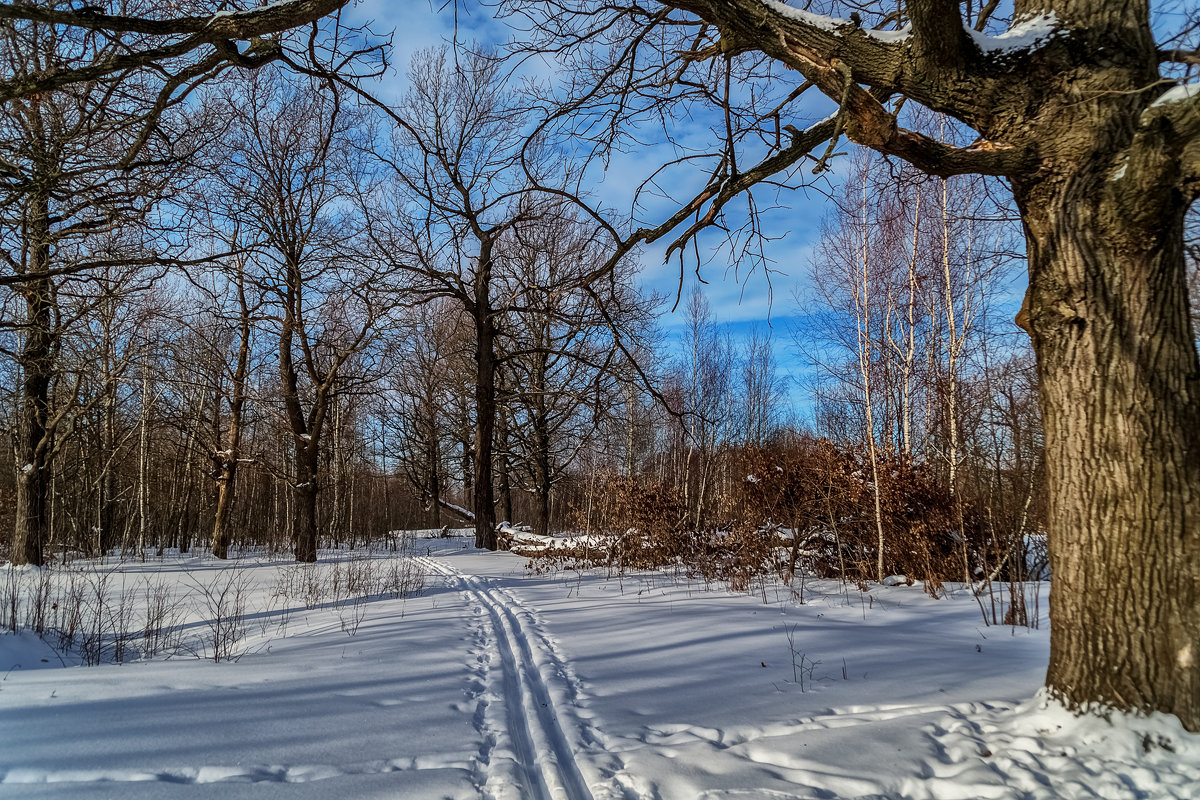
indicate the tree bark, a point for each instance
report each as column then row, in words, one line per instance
column 221, row 518
column 227, row 461
column 36, row 361
column 1120, row 397
column 485, row 402
column 504, row 464
column 304, row 521
column 541, row 477
column 435, row 484
column 540, row 422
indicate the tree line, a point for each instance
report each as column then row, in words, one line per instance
column 317, row 323
column 233, row 326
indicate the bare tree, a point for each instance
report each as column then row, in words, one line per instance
column 423, row 385
column 80, row 181
column 238, row 306
column 761, row 391
column 466, row 174
column 560, row 350
column 293, row 167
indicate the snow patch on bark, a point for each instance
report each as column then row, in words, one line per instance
column 835, row 24
column 890, row 37
column 830, row 24
column 1026, row 35
column 1177, row 94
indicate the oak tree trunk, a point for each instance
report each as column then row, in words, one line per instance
column 36, row 360
column 1120, row 398
column 225, row 492
column 304, row 520
column 485, row 412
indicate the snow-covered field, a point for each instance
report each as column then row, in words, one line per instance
column 494, row 682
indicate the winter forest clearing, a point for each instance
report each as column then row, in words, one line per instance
column 484, row 679
column 781, row 356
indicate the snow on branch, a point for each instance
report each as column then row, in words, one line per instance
column 1177, row 94
column 1024, row 36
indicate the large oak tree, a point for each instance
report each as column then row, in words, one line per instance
column 1082, row 112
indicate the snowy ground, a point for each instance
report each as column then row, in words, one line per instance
column 496, row 683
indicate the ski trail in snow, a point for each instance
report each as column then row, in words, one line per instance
column 540, row 695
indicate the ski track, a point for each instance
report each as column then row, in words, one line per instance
column 542, row 699
column 538, row 739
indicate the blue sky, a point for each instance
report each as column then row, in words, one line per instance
column 741, row 301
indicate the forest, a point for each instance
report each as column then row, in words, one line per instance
column 259, row 292
column 293, row 324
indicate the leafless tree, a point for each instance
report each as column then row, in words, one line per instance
column 422, row 388
column 560, row 344
column 293, row 168
column 467, row 174
column 80, row 182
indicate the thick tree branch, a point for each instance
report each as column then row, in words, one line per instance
column 747, row 25
column 1168, row 138
column 216, row 30
column 940, row 41
column 936, row 62
column 263, row 21
column 870, row 124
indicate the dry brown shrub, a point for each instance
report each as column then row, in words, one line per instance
column 802, row 504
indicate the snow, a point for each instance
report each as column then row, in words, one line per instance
column 830, row 24
column 890, row 37
column 276, row 4
column 466, row 514
column 1026, row 34
column 1176, row 94
column 500, row 683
